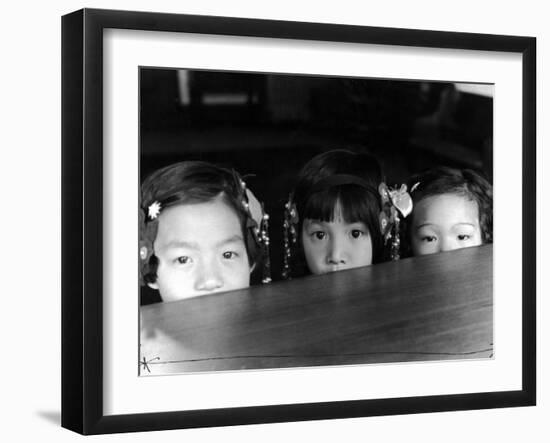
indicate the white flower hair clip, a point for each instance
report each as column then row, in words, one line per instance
column 154, row 210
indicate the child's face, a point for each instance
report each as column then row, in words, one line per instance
column 337, row 245
column 443, row 223
column 201, row 250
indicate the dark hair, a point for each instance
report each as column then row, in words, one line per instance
column 464, row 182
column 190, row 182
column 358, row 197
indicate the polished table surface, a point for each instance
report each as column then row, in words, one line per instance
column 435, row 307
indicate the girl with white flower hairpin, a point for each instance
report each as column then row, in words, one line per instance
column 201, row 231
column 341, row 215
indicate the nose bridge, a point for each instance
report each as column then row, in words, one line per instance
column 447, row 244
column 209, row 276
column 337, row 249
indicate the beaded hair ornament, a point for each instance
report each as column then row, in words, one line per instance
column 395, row 203
column 257, row 225
column 290, row 235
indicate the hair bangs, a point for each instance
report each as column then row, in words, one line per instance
column 351, row 203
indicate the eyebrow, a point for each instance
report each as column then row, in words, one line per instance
column 233, row 239
column 434, row 224
column 180, row 244
column 422, row 225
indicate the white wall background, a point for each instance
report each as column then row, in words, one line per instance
column 30, row 171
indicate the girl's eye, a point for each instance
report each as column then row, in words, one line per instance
column 356, row 233
column 228, row 255
column 429, row 238
column 319, row 235
column 183, row 260
column 463, row 237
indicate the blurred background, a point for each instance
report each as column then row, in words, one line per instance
column 269, row 125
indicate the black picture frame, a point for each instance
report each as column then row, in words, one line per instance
column 82, row 231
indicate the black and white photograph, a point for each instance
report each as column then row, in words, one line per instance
column 291, row 220
column 278, row 221
column 275, row 221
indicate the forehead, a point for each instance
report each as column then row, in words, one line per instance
column 199, row 222
column 446, row 209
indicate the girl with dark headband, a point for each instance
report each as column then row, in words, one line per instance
column 332, row 217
